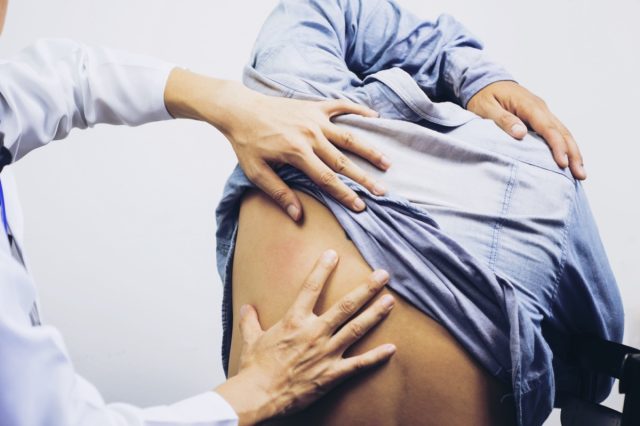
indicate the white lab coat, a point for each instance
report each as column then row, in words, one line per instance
column 46, row 91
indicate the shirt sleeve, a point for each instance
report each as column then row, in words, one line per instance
column 38, row 384
column 57, row 85
column 446, row 61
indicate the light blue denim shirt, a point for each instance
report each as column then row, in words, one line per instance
column 483, row 233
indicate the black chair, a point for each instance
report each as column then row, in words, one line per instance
column 611, row 359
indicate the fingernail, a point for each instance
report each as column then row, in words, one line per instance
column 387, row 301
column 358, row 204
column 330, row 256
column 379, row 188
column 385, row 163
column 293, row 212
column 380, row 276
column 390, row 348
column 244, row 310
column 518, row 129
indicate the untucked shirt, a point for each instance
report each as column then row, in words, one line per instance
column 481, row 232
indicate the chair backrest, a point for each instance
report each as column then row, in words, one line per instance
column 615, row 360
column 578, row 412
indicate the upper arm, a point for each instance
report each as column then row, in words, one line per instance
column 57, row 85
column 310, row 39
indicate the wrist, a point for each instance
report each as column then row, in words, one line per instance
column 251, row 402
column 198, row 97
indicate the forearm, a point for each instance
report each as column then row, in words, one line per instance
column 198, row 97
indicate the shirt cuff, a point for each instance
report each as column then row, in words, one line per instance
column 470, row 70
column 148, row 77
column 208, row 408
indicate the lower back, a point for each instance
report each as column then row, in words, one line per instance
column 430, row 381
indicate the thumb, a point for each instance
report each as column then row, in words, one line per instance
column 250, row 327
column 507, row 121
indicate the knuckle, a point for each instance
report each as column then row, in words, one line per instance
column 347, row 306
column 348, row 140
column 569, row 138
column 314, row 133
column 328, row 179
column 359, row 364
column 341, row 163
column 311, row 285
column 291, row 322
column 373, row 287
column 256, row 174
column 325, row 325
column 308, row 132
column 280, row 195
column 297, row 152
column 364, row 179
column 534, row 109
column 356, row 330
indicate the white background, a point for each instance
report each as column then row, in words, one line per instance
column 120, row 222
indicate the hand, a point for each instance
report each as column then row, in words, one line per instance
column 295, row 362
column 511, row 106
column 267, row 131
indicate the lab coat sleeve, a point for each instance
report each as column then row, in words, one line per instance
column 38, row 384
column 57, row 85
column 45, row 92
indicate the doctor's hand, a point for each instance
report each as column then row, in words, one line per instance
column 512, row 106
column 297, row 360
column 266, row 132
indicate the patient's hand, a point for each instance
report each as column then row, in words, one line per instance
column 511, row 105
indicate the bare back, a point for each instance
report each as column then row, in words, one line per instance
column 430, row 381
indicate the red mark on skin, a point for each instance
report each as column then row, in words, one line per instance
column 288, row 261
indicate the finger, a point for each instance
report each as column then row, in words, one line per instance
column 355, row 329
column 576, row 162
column 250, row 327
column 542, row 122
column 268, row 181
column 355, row 364
column 341, row 164
column 343, row 106
column 351, row 303
column 346, row 140
column 329, row 181
column 507, row 121
column 314, row 283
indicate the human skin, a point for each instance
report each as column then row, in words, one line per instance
column 430, row 381
column 3, row 13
